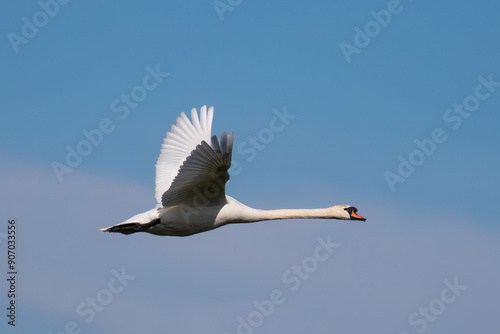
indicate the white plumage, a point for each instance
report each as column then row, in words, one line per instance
column 178, row 144
column 190, row 186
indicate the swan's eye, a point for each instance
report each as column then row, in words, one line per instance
column 353, row 213
column 351, row 209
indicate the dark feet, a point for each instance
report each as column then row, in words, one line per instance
column 131, row 227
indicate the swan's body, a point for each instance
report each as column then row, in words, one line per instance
column 190, row 186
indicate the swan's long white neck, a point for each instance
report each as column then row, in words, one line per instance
column 236, row 212
column 327, row 213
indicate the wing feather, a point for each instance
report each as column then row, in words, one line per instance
column 178, row 144
column 202, row 177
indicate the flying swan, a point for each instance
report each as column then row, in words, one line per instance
column 190, row 182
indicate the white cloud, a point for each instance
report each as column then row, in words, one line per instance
column 383, row 271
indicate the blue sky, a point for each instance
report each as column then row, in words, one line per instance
column 352, row 119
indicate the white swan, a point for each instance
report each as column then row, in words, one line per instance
column 190, row 186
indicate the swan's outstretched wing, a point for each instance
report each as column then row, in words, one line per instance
column 202, row 177
column 178, row 144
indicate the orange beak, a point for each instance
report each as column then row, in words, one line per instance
column 355, row 216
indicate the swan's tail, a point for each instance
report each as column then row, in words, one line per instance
column 130, row 228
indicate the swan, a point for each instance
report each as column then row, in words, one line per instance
column 190, row 186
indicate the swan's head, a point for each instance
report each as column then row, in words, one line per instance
column 351, row 213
